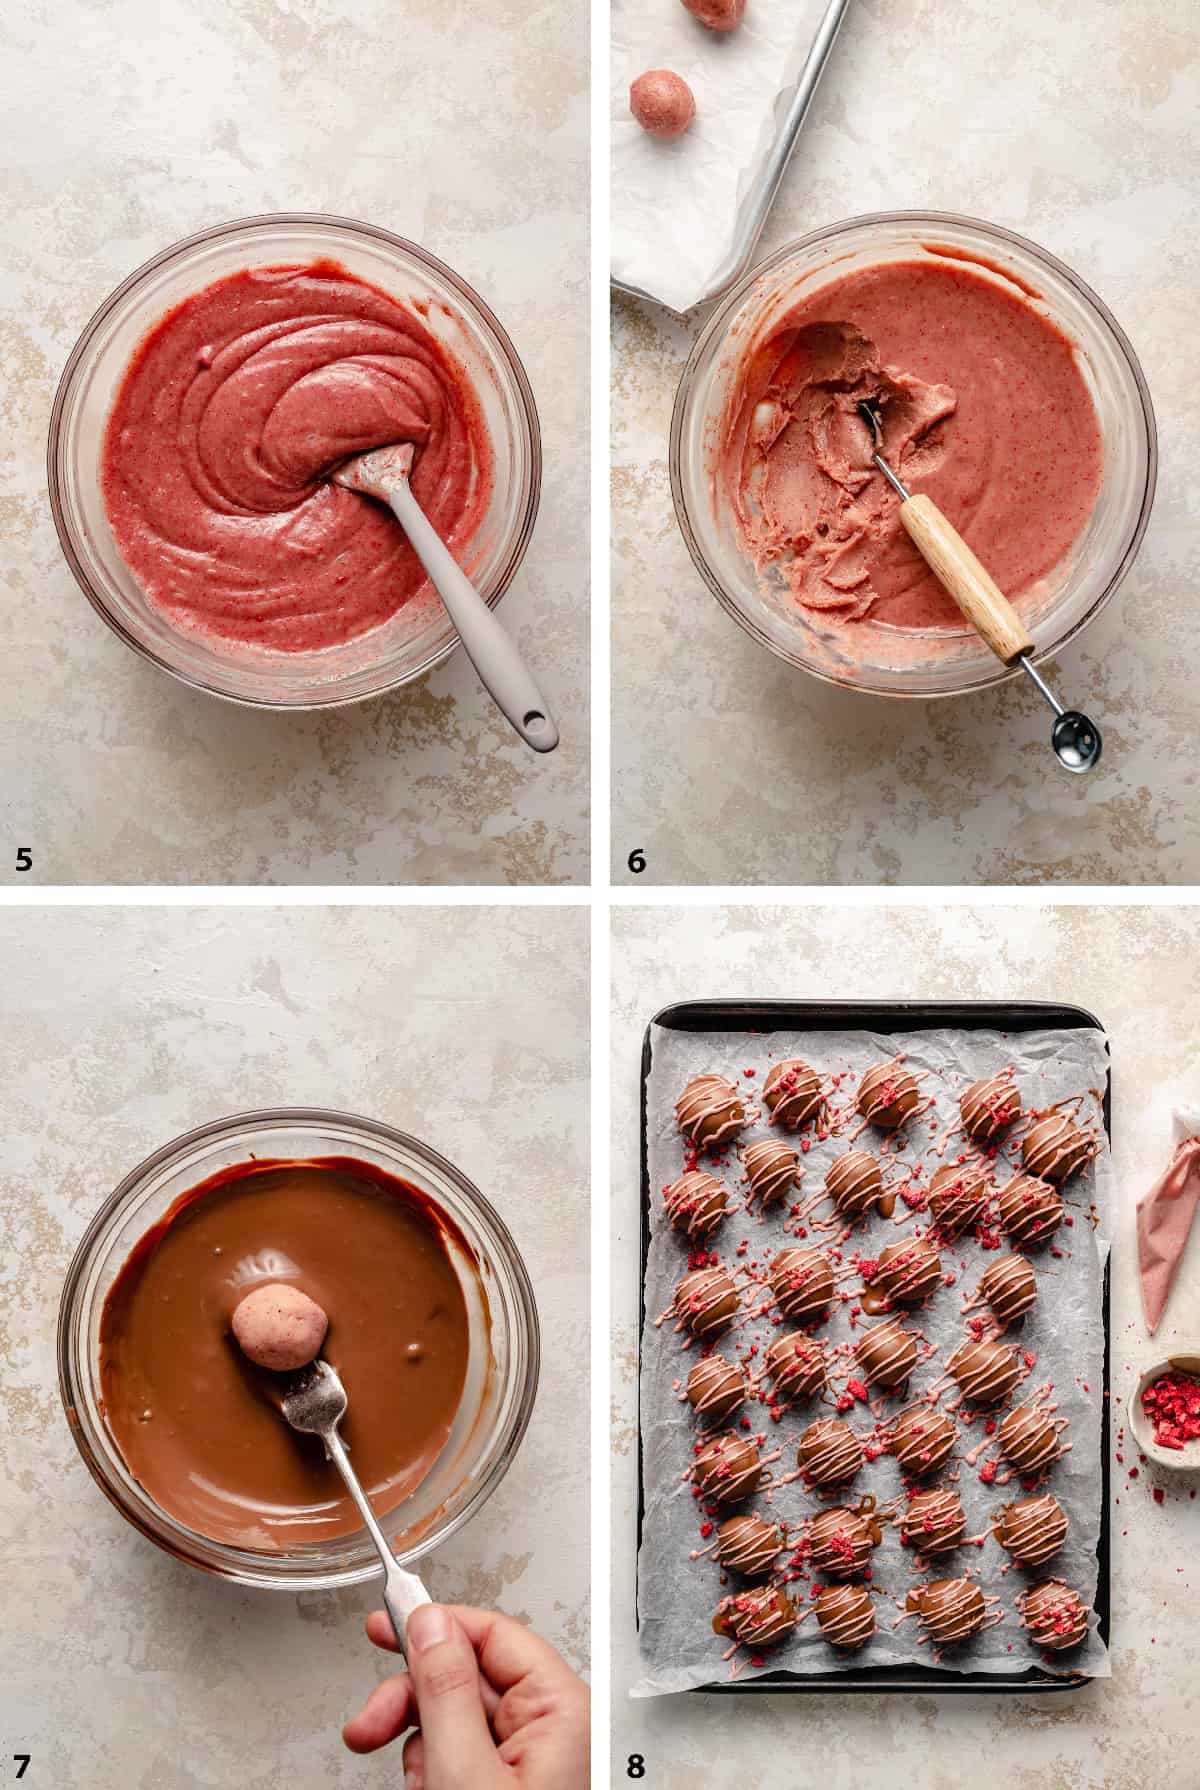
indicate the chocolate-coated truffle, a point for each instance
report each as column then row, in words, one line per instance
column 1029, row 1439
column 934, row 1521
column 921, row 1439
column 279, row 1327
column 748, row 1545
column 772, row 1169
column 1055, row 1148
column 715, row 1388
column 728, row 1468
column 710, row 1111
column 1056, row 1616
column 802, row 1282
column 886, row 1354
column 1032, row 1530
column 1030, row 1211
column 907, row 1273
column 696, row 1203
column 760, row 1617
column 706, row 1301
column 796, row 1364
column 846, row 1614
column 792, row 1094
column 1010, row 1288
column 988, row 1106
column 662, row 102
column 985, row 1371
column 718, row 15
column 950, row 1609
column 841, row 1541
column 958, row 1196
column 854, row 1183
column 887, row 1095
column 829, row 1452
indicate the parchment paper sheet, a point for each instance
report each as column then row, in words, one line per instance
column 677, row 1596
column 675, row 205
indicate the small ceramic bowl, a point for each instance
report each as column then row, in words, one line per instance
column 1178, row 1460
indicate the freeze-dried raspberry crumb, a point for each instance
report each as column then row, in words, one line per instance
column 1172, row 1405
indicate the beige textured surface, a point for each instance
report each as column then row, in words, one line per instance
column 1138, row 970
column 119, row 1666
column 463, row 127
column 1071, row 124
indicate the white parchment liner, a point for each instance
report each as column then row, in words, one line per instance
column 676, row 1595
column 675, row 204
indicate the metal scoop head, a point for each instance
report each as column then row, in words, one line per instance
column 870, row 417
column 1076, row 740
column 1075, row 737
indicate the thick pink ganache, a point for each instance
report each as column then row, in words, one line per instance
column 229, row 417
column 984, row 408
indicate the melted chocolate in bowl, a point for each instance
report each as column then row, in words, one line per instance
column 195, row 1422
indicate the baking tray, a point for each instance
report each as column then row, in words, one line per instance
column 759, row 198
column 888, row 1016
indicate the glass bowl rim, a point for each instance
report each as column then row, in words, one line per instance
column 527, row 406
column 69, row 1365
column 998, row 674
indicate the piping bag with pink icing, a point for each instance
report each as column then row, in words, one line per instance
column 1164, row 1218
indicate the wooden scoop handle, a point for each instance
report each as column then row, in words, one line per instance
column 973, row 588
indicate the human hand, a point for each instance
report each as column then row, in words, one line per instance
column 498, row 1708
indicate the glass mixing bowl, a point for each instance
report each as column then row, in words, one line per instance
column 421, row 634
column 884, row 659
column 502, row 1372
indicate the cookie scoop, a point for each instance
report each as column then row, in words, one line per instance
column 1074, row 737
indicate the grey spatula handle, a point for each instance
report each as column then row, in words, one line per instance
column 501, row 669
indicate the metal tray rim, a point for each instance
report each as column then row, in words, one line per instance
column 758, row 200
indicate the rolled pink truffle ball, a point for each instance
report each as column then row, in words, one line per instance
column 718, row 15
column 279, row 1327
column 662, row 103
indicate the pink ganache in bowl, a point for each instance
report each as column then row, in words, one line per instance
column 199, row 417
column 1007, row 393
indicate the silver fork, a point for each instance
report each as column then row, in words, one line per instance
column 314, row 1402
